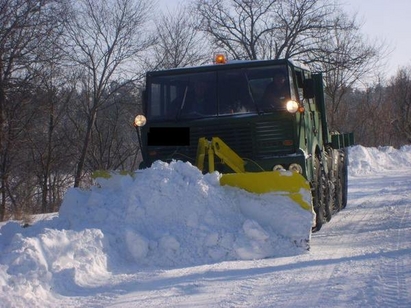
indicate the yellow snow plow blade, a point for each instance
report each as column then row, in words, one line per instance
column 284, row 182
column 288, row 183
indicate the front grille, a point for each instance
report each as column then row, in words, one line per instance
column 249, row 139
column 270, row 137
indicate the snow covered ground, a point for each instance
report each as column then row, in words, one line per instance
column 177, row 239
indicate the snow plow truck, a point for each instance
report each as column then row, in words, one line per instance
column 261, row 124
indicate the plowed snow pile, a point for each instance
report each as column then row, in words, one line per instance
column 167, row 216
column 172, row 215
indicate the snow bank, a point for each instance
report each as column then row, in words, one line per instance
column 170, row 215
column 370, row 160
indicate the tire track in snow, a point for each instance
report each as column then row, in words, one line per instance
column 385, row 268
column 395, row 271
column 332, row 290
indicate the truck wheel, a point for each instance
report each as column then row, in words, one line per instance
column 341, row 185
column 338, row 181
column 318, row 195
column 338, row 193
column 344, row 178
column 329, row 189
column 329, row 200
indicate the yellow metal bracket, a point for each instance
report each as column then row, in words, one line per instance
column 217, row 147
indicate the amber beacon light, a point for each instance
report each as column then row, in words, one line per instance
column 220, row 58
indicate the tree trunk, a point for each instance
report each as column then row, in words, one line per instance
column 80, row 165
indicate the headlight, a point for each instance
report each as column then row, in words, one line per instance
column 292, row 106
column 296, row 168
column 140, row 120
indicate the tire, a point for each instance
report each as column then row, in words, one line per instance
column 318, row 195
column 344, row 177
column 329, row 200
column 330, row 187
column 338, row 195
column 338, row 180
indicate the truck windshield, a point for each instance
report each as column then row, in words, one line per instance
column 218, row 93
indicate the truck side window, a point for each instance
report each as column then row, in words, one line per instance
column 277, row 91
column 299, row 77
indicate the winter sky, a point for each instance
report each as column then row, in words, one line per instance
column 387, row 20
column 383, row 20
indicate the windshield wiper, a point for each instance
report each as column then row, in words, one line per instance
column 183, row 101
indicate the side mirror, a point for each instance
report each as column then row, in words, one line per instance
column 308, row 88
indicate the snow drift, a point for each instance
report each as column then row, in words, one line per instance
column 370, row 160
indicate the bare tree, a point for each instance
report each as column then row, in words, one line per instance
column 345, row 57
column 266, row 29
column 400, row 96
column 25, row 26
column 238, row 27
column 179, row 44
column 50, row 153
column 301, row 26
column 113, row 144
column 106, row 37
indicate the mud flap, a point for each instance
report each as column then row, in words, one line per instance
column 283, row 182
